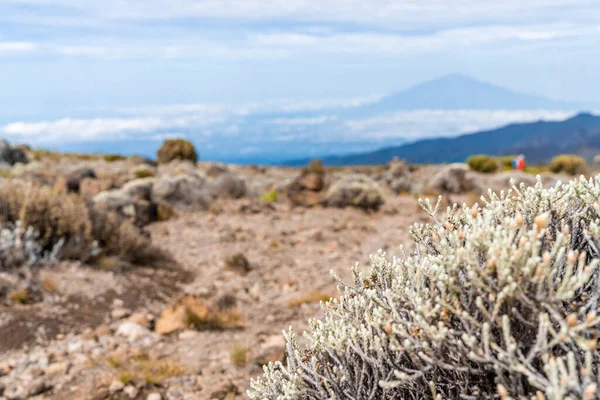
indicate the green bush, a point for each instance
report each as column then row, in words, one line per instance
column 144, row 173
column 270, row 196
column 114, row 157
column 483, row 163
column 569, row 164
column 176, row 149
column 496, row 302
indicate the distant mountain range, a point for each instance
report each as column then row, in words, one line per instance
column 538, row 141
column 271, row 134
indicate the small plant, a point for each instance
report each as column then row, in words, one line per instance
column 228, row 318
column 239, row 263
column 144, row 173
column 176, row 149
column 239, row 355
column 19, row 296
column 142, row 368
column 569, row 164
column 164, row 212
column 483, row 163
column 269, row 196
column 312, row 297
column 114, row 157
column 49, row 284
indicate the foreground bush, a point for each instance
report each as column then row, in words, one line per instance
column 68, row 221
column 176, row 149
column 499, row 301
column 569, row 164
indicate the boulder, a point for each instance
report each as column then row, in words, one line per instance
column 355, row 190
column 10, row 154
column 132, row 331
column 228, row 185
column 71, row 182
column 397, row 176
column 91, row 186
column 142, row 212
column 272, row 350
column 189, row 190
column 139, row 189
column 216, row 170
column 455, row 179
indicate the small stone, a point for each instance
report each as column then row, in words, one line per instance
column 59, row 368
column 272, row 350
column 154, row 396
column 187, row 334
column 102, row 330
column 140, row 319
column 120, row 313
column 132, row 331
column 115, row 386
column 130, row 391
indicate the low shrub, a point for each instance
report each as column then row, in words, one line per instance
column 569, row 164
column 114, row 157
column 144, row 173
column 496, row 302
column 483, row 163
column 176, row 149
column 314, row 167
column 69, row 222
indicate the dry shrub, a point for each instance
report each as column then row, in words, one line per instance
column 176, row 149
column 569, row 164
column 70, row 220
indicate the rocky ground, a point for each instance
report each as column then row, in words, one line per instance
column 252, row 253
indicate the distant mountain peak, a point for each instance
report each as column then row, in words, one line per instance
column 457, row 91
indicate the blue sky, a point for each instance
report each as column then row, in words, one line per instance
column 86, row 68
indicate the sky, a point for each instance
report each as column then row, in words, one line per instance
column 79, row 70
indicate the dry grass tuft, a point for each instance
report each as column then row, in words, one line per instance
column 239, row 355
column 49, row 284
column 143, row 369
column 218, row 320
column 19, row 296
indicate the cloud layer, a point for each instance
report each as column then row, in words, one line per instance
column 250, row 131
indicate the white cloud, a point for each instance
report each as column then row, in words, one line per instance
column 400, row 125
column 434, row 123
column 303, row 121
column 405, row 13
column 17, row 47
